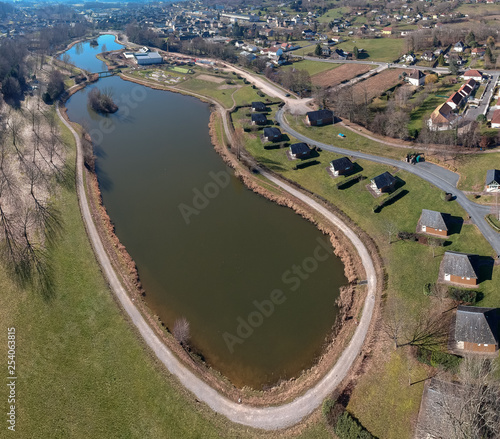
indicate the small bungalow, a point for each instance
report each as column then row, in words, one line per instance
column 442, row 118
column 320, row 117
column 258, row 106
column 341, row 166
column 300, row 150
column 433, row 223
column 428, row 56
column 459, row 268
column 387, row 30
column 459, row 47
column 383, row 183
column 416, row 78
column 476, row 329
column 259, row 119
column 478, row 52
column 492, row 180
column 272, row 134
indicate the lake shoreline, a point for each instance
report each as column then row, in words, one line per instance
column 125, row 265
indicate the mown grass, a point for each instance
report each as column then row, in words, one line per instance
column 378, row 49
column 330, row 135
column 210, row 89
column 82, row 370
column 382, row 402
column 333, row 13
column 472, row 169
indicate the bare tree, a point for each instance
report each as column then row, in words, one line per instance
column 474, row 409
column 391, row 229
column 181, row 331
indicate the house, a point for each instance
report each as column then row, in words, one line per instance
column 492, row 180
column 259, row 119
column 258, row 106
column 387, row 30
column 341, row 166
column 467, row 89
column 383, row 183
column 458, row 47
column 478, row 52
column 416, row 78
column 473, row 74
column 459, row 268
column 338, row 54
column 433, row 223
column 326, row 51
column 409, row 58
column 272, row 134
column 495, row 119
column 319, row 117
column 300, row 150
column 442, row 118
column 476, row 329
column 147, row 58
column 455, row 100
column 428, row 56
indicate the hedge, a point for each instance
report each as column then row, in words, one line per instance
column 349, row 428
column 448, row 362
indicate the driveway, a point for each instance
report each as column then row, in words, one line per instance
column 438, row 176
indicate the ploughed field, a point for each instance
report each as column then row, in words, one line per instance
column 376, row 85
column 345, row 72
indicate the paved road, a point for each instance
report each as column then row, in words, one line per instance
column 438, row 176
column 482, row 108
column 267, row 418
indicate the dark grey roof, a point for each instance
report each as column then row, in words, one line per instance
column 259, row 117
column 320, row 115
column 259, row 106
column 299, row 148
column 341, row 164
column 477, row 325
column 433, row 219
column 459, row 264
column 272, row 132
column 492, row 176
column 384, row 180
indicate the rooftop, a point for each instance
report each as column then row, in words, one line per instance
column 477, row 325
column 433, row 219
column 459, row 264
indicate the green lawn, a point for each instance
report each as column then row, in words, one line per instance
column 382, row 401
column 211, row 89
column 379, row 49
column 333, row 13
column 472, row 169
column 82, row 370
column 434, row 99
column 312, row 67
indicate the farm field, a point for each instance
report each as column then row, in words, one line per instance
column 378, row 49
column 377, row 84
column 333, row 13
column 345, row 72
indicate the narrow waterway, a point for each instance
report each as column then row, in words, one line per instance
column 254, row 280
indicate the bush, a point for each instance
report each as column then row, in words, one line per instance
column 442, row 360
column 349, row 428
column 407, row 236
column 464, row 296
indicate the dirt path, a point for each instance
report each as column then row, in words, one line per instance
column 270, row 418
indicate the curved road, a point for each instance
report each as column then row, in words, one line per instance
column 267, row 418
column 438, row 176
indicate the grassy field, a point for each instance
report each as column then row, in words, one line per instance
column 385, row 395
column 82, row 371
column 379, row 401
column 333, row 13
column 473, row 170
column 312, row 67
column 379, row 49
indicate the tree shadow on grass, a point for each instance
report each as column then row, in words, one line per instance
column 271, row 164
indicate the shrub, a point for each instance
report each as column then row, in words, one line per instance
column 465, row 296
column 349, row 428
column 407, row 236
column 442, row 360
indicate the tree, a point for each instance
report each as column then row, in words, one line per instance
column 473, row 408
column 181, row 331
column 66, row 59
column 391, row 229
column 55, row 86
column 317, row 50
column 355, row 52
column 431, row 79
column 441, row 60
column 490, row 42
column 454, row 67
column 470, row 39
column 11, row 88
